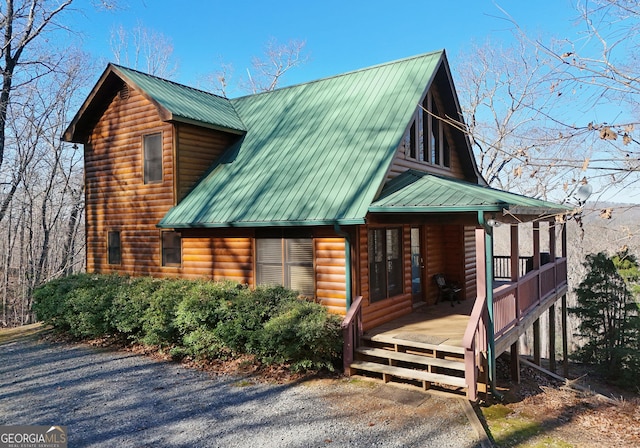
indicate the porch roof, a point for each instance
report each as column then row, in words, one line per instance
column 418, row 192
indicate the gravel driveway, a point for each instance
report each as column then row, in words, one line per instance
column 118, row 399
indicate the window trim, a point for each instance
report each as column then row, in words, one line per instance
column 110, row 260
column 163, row 255
column 145, row 175
column 417, row 141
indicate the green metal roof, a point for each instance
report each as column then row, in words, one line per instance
column 314, row 153
column 185, row 103
column 418, row 192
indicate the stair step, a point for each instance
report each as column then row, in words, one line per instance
column 408, row 374
column 408, row 357
column 422, row 345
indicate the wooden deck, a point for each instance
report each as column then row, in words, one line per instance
column 434, row 324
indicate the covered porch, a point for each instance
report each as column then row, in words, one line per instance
column 455, row 345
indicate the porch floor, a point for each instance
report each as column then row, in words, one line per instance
column 435, row 324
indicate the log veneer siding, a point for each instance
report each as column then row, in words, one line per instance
column 330, row 270
column 116, row 197
column 196, row 150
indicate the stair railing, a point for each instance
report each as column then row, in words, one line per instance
column 475, row 346
column 351, row 333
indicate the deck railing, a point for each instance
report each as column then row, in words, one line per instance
column 512, row 301
column 502, row 266
column 351, row 333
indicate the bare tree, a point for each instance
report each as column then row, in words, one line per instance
column 596, row 80
column 266, row 72
column 504, row 95
column 144, row 49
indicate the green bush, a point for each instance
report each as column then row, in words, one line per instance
column 159, row 318
column 243, row 316
column 304, row 335
column 78, row 304
column 130, row 305
column 201, row 319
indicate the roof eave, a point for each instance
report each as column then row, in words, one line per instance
column 249, row 224
column 435, row 209
column 185, row 120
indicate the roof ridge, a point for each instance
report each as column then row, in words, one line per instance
column 122, row 67
column 340, row 75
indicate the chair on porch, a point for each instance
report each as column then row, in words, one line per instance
column 447, row 291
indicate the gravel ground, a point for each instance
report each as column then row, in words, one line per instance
column 118, row 399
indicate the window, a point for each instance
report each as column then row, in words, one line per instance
column 426, row 139
column 114, row 249
column 152, row 158
column 385, row 263
column 287, row 262
column 171, row 248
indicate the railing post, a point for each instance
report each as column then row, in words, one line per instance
column 351, row 333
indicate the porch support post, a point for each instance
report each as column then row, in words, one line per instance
column 515, row 275
column 536, row 341
column 565, row 342
column 552, row 242
column 552, row 338
column 515, row 362
column 488, row 285
column 515, row 255
column 536, row 245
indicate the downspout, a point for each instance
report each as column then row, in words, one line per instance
column 347, row 261
column 488, row 255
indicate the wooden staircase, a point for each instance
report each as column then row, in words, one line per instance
column 410, row 361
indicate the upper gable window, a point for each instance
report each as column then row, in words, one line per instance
column 152, row 158
column 426, row 140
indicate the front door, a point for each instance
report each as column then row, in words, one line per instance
column 417, row 266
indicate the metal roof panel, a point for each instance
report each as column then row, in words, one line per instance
column 315, row 152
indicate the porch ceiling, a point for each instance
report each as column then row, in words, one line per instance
column 418, row 192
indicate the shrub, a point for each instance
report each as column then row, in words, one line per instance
column 304, row 335
column 78, row 304
column 130, row 305
column 50, row 300
column 244, row 315
column 159, row 318
column 197, row 318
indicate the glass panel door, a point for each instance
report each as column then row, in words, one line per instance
column 417, row 265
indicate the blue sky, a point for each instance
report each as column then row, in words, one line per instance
column 340, row 35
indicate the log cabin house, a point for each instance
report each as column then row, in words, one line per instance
column 354, row 190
